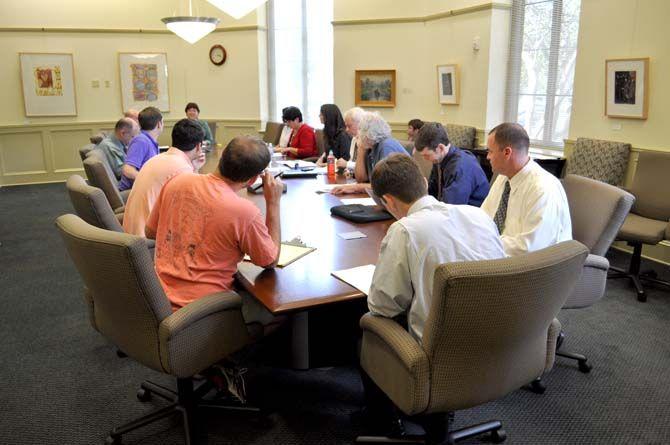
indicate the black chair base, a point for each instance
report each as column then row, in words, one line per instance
column 185, row 401
column 581, row 359
column 438, row 431
column 633, row 273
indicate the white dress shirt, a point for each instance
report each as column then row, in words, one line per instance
column 431, row 234
column 538, row 215
column 285, row 136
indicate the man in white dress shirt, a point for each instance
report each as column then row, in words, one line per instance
column 527, row 203
column 428, row 233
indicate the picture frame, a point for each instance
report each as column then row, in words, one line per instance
column 47, row 81
column 375, row 88
column 144, row 81
column 627, row 88
column 448, row 84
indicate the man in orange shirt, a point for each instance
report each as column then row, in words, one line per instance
column 184, row 156
column 203, row 228
column 302, row 143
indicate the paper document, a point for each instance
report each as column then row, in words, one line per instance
column 289, row 253
column 326, row 188
column 299, row 162
column 361, row 201
column 352, row 235
column 358, row 277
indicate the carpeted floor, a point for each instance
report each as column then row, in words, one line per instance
column 61, row 382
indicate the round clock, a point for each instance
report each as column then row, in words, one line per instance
column 217, row 55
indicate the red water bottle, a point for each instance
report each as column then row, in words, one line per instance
column 330, row 161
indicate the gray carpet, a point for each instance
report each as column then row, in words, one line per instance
column 61, row 382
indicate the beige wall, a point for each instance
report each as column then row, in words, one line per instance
column 612, row 29
column 414, row 48
column 45, row 148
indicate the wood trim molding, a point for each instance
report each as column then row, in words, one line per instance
column 124, row 30
column 425, row 18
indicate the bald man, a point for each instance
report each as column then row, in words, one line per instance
column 115, row 145
column 132, row 114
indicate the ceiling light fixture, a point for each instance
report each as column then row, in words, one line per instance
column 191, row 28
column 237, row 8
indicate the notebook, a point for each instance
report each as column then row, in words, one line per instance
column 358, row 277
column 290, row 251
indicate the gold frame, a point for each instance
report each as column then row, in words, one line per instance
column 645, row 85
column 167, row 81
column 23, row 91
column 456, row 85
column 372, row 103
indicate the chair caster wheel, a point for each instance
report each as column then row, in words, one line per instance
column 537, row 386
column 498, row 436
column 120, row 354
column 642, row 297
column 113, row 440
column 650, row 274
column 143, row 395
column 584, row 367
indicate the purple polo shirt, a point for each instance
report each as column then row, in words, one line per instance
column 140, row 150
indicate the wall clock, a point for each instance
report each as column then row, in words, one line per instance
column 217, row 55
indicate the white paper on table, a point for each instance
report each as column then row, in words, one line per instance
column 249, row 271
column 326, row 188
column 358, row 277
column 361, row 201
column 352, row 235
column 299, row 162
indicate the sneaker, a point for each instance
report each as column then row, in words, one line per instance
column 234, row 384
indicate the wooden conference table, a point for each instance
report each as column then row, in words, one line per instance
column 307, row 283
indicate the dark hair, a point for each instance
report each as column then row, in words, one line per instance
column 243, row 158
column 186, row 134
column 149, row 118
column 125, row 123
column 191, row 105
column 430, row 136
column 415, row 123
column 399, row 176
column 332, row 122
column 512, row 135
column 291, row 113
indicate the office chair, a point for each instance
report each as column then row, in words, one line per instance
column 100, row 175
column 597, row 211
column 604, row 161
column 83, row 151
column 272, row 132
column 491, row 329
column 647, row 222
column 91, row 205
column 462, row 136
column 131, row 310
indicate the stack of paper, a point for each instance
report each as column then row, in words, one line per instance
column 358, row 277
column 361, row 201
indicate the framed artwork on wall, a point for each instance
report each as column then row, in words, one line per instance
column 47, row 80
column 144, row 81
column 627, row 88
column 375, row 88
column 448, row 84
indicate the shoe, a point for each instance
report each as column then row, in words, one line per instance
column 234, row 382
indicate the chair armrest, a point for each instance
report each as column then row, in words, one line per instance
column 396, row 362
column 119, row 217
column 590, row 287
column 120, row 209
column 124, row 195
column 552, row 338
column 202, row 333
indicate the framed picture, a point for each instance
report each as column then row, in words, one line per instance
column 448, row 84
column 48, row 84
column 144, row 81
column 375, row 88
column 627, row 88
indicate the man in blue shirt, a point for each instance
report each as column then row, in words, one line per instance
column 456, row 177
column 143, row 147
column 114, row 146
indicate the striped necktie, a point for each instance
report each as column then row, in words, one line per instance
column 501, row 213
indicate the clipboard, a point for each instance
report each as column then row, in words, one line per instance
column 290, row 251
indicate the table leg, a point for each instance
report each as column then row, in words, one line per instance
column 300, row 340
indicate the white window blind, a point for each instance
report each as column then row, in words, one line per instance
column 543, row 50
column 300, row 56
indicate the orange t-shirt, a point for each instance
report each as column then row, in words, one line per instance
column 203, row 229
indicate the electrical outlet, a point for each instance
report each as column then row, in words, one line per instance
column 616, row 127
column 107, row 83
column 95, row 83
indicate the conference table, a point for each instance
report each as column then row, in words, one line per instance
column 307, row 283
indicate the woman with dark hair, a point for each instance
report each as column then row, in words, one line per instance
column 302, row 143
column 334, row 133
column 192, row 111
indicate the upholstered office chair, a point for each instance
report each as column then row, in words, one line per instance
column 425, row 166
column 213, row 125
column 604, row 161
column 491, row 329
column 272, row 132
column 320, row 146
column 100, row 175
column 647, row 222
column 92, row 205
column 131, row 310
column 83, row 151
column 597, row 212
column 462, row 136
column 408, row 146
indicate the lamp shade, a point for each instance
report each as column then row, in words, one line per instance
column 191, row 29
column 237, row 8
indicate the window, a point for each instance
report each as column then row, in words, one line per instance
column 300, row 56
column 543, row 50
